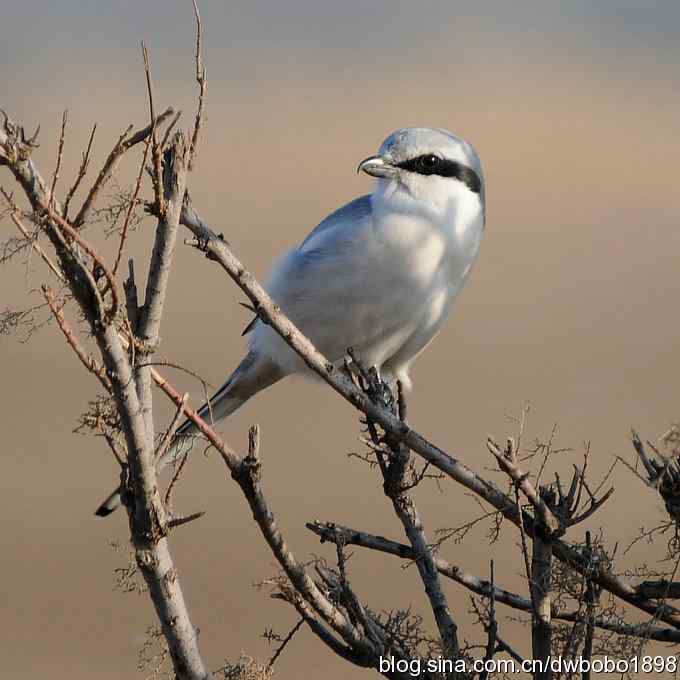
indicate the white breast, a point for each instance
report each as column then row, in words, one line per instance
column 436, row 252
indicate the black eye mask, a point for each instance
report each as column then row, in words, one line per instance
column 429, row 164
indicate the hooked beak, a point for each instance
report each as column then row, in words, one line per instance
column 377, row 166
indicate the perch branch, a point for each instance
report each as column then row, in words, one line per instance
column 246, row 471
column 217, row 249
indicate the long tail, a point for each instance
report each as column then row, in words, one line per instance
column 252, row 375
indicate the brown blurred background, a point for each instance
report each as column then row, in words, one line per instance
column 572, row 306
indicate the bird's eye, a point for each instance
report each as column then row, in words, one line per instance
column 429, row 162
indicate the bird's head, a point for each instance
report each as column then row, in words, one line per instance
column 429, row 166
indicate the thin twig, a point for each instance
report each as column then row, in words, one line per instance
column 131, row 207
column 89, row 362
column 125, row 142
column 156, row 151
column 590, row 599
column 394, row 466
column 146, row 514
column 507, row 461
column 525, row 553
column 492, row 627
column 170, row 432
column 60, row 153
column 202, row 84
column 31, row 238
column 175, row 522
column 283, row 644
column 327, row 531
column 169, row 129
column 175, row 477
column 82, row 170
column 89, row 249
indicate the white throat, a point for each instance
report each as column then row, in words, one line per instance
column 447, row 203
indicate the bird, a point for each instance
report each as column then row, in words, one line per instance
column 378, row 275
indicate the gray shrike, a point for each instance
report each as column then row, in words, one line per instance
column 378, row 275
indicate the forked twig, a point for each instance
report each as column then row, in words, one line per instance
column 125, row 142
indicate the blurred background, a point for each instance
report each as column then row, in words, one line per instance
column 572, row 307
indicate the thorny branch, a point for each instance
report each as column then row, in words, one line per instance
column 146, row 513
column 328, row 531
column 218, row 250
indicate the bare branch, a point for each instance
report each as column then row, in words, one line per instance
column 651, row 469
column 174, row 184
column 89, row 362
column 206, row 430
column 246, row 473
column 82, row 170
column 169, row 129
column 326, row 636
column 525, row 553
column 131, row 207
column 146, row 515
column 202, row 84
column 156, row 151
column 98, row 259
column 329, row 531
column 591, row 601
column 394, row 465
column 659, row 589
column 507, row 461
column 492, row 626
column 174, row 522
column 125, row 142
column 541, row 629
column 218, row 250
column 286, row 640
column 175, row 478
column 172, row 429
column 662, row 475
column 149, row 322
column 566, row 507
column 32, row 239
column 60, row 153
